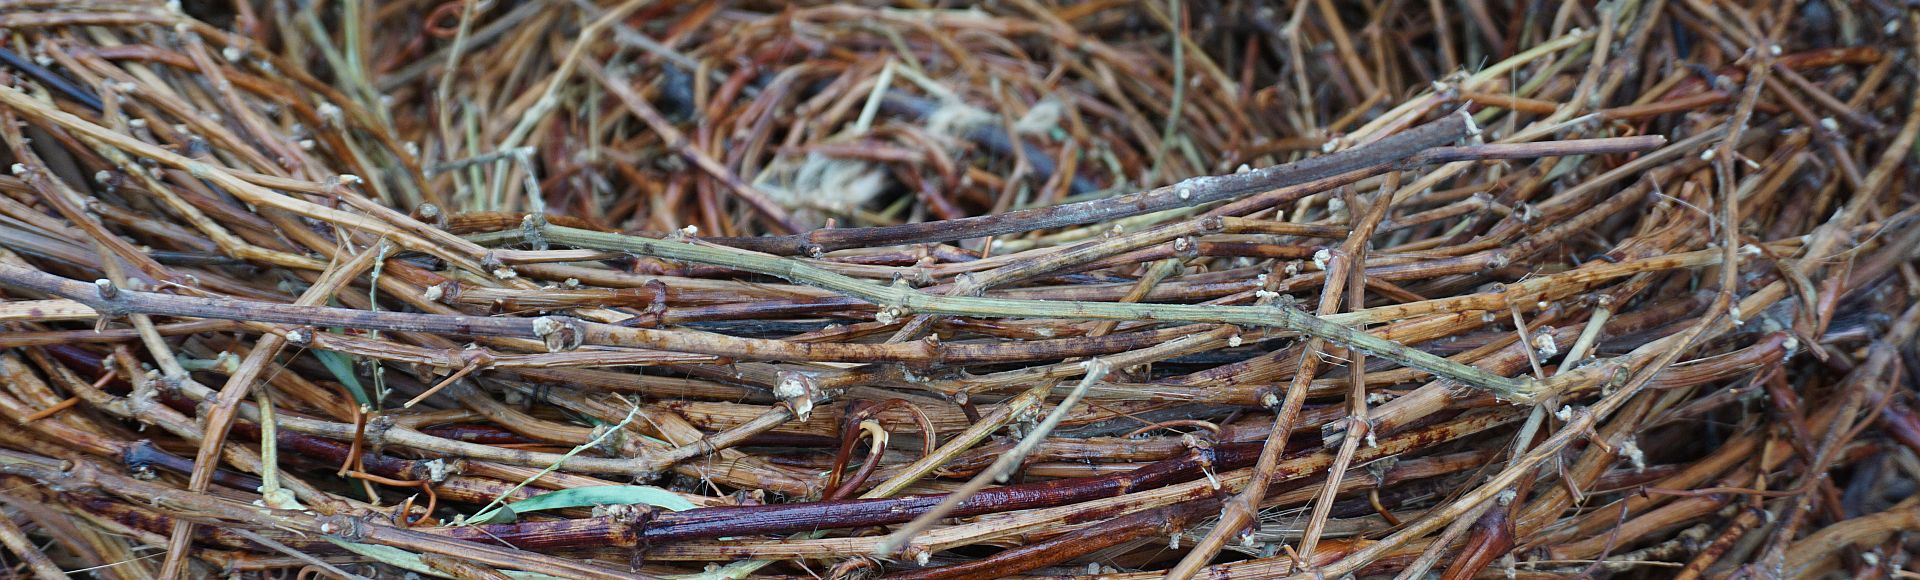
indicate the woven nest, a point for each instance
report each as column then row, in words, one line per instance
column 482, row 289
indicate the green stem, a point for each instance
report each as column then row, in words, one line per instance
column 1179, row 90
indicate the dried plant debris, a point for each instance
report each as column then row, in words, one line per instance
column 619, row 288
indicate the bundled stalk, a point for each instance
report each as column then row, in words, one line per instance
column 1130, row 290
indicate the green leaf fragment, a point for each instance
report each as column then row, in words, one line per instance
column 585, row 497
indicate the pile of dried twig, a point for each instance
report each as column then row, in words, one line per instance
column 477, row 289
